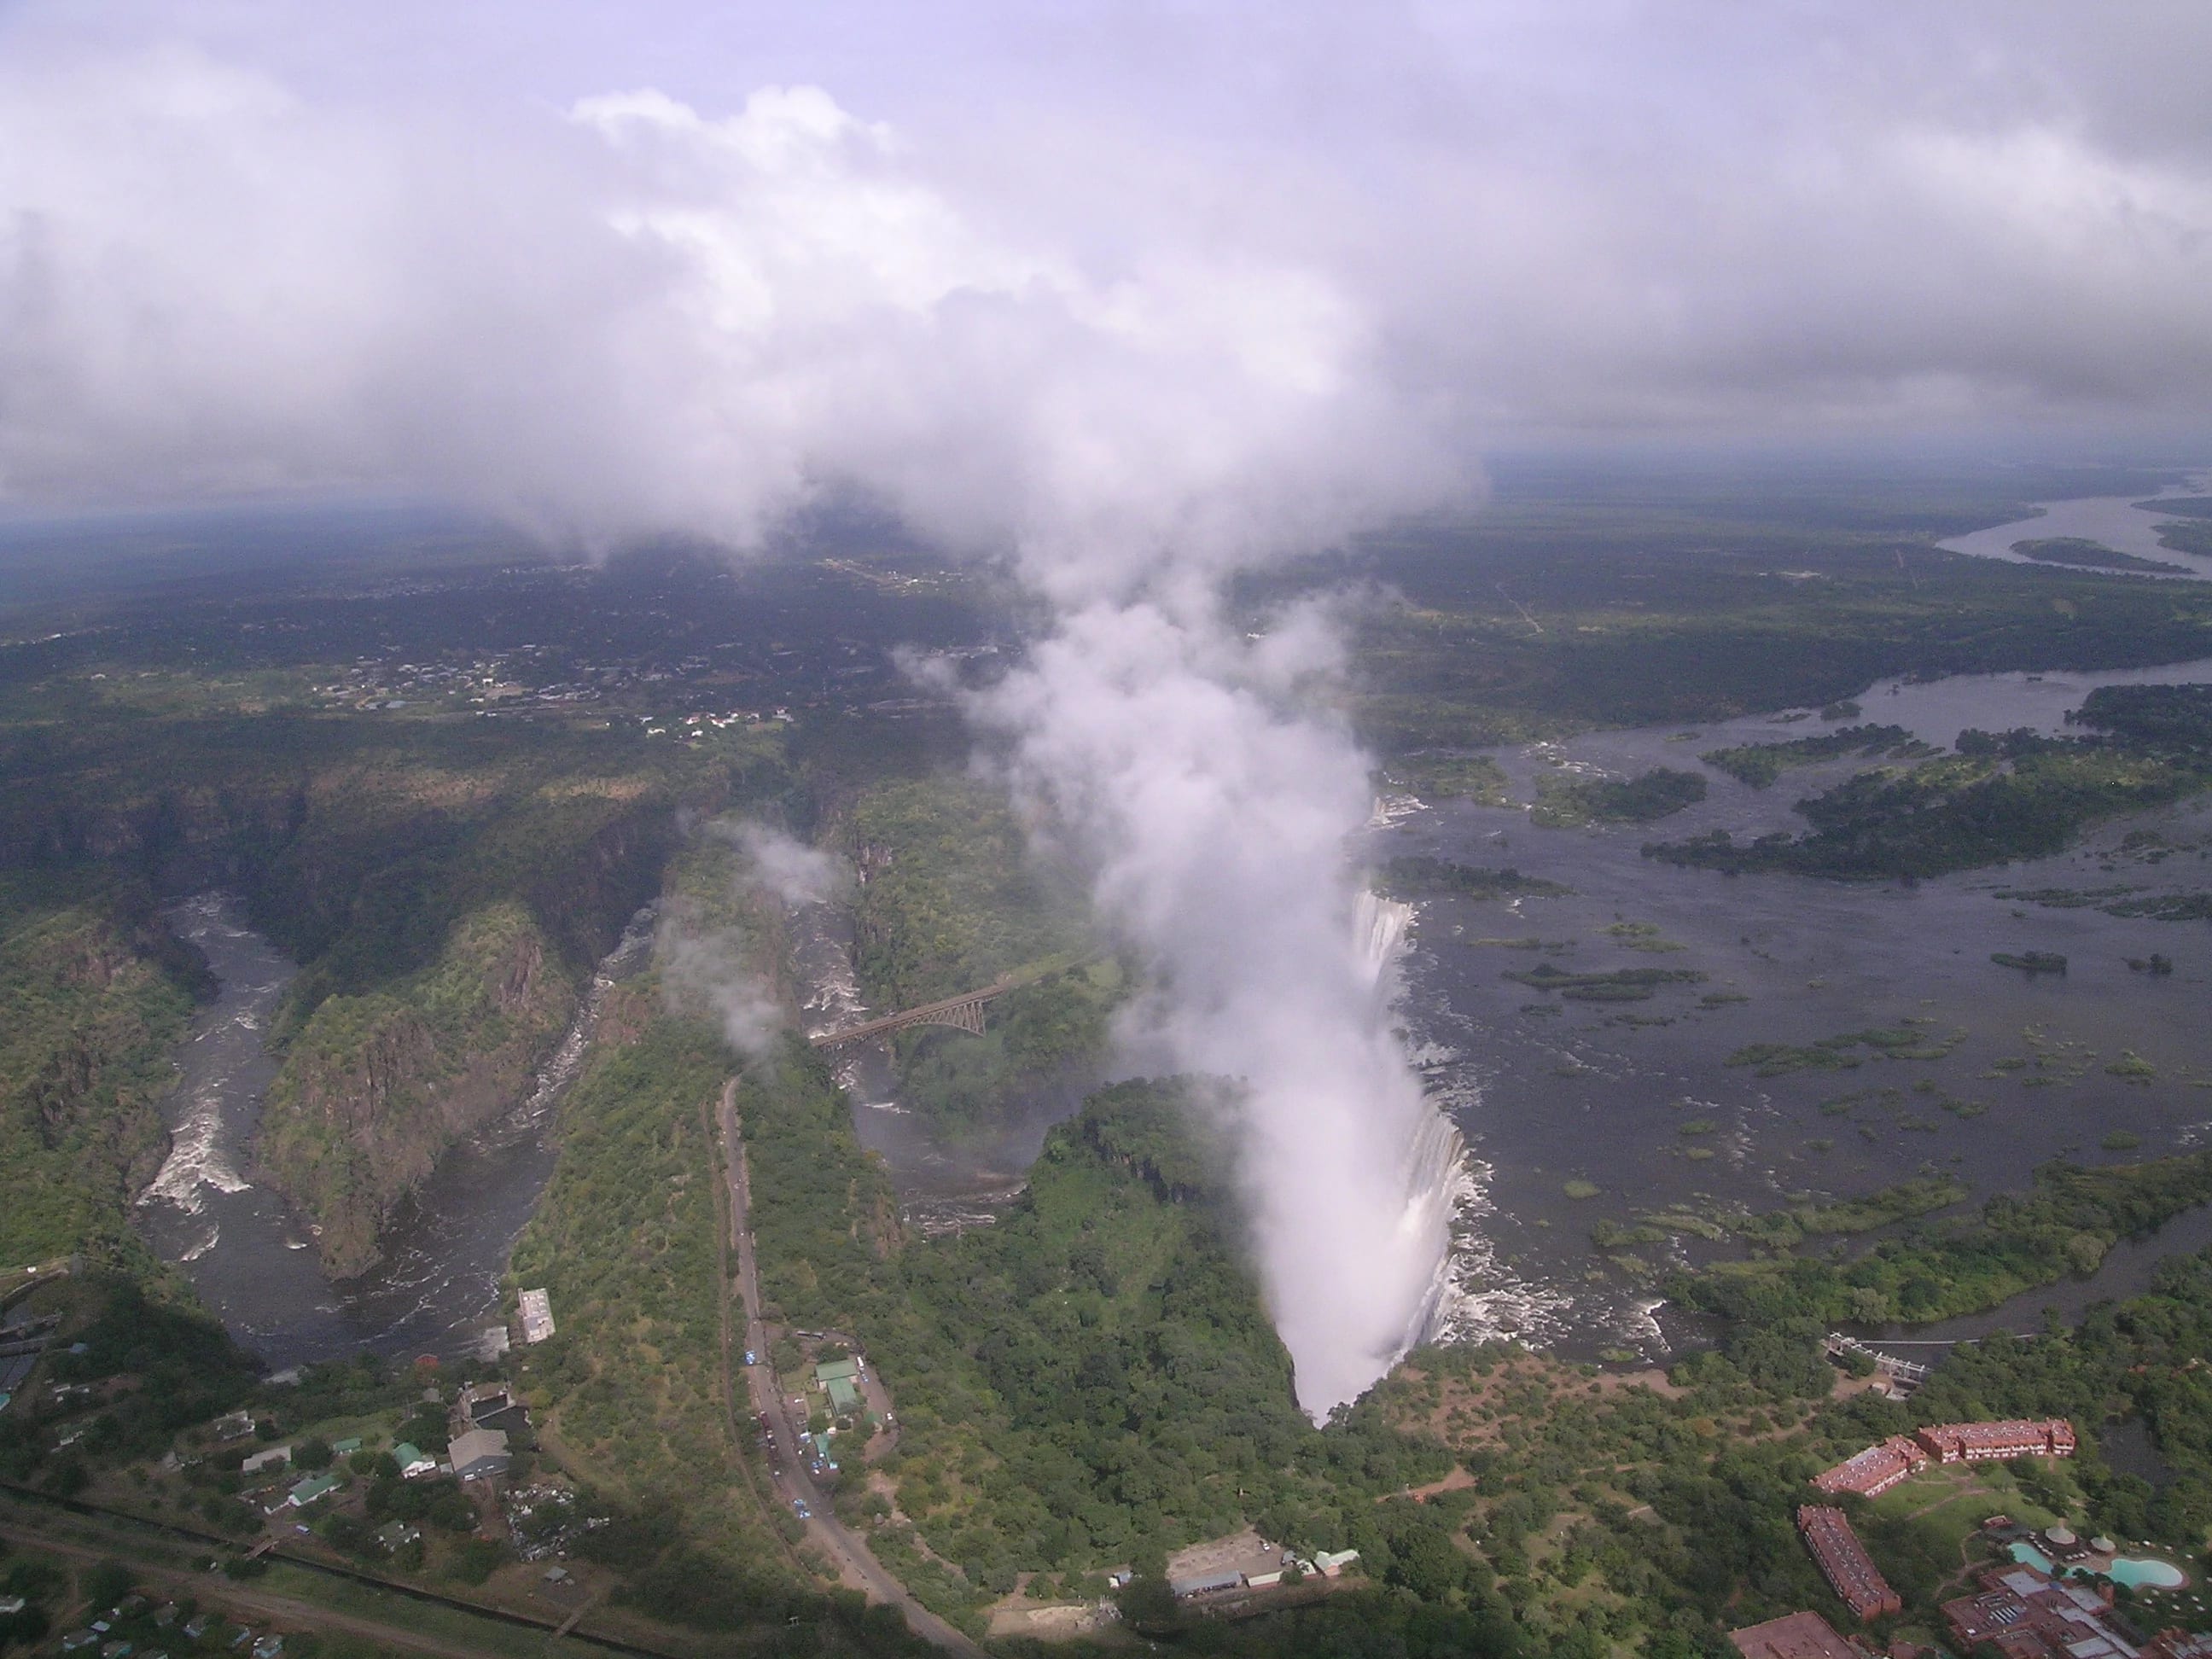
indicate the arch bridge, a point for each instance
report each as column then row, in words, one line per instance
column 963, row 1012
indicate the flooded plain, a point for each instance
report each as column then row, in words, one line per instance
column 1583, row 1112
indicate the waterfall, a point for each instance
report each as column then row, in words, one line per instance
column 1434, row 1160
column 1473, row 1296
column 1378, row 930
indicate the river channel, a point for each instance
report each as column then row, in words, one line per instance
column 2112, row 522
column 1635, row 1106
column 251, row 1255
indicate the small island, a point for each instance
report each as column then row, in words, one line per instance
column 2095, row 555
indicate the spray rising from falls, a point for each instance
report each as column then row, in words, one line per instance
column 1215, row 800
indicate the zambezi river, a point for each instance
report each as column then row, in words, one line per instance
column 1579, row 1112
column 251, row 1255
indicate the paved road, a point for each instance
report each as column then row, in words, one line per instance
column 856, row 1564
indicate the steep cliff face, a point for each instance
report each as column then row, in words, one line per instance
column 90, row 1001
column 375, row 1088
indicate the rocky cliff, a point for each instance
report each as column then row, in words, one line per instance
column 375, row 1088
column 92, row 995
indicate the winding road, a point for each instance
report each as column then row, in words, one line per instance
column 856, row 1564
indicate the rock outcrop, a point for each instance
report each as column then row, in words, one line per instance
column 375, row 1088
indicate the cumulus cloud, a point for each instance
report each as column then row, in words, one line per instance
column 252, row 246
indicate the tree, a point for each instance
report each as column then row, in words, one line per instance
column 105, row 1584
column 1147, row 1603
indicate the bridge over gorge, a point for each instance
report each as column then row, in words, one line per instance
column 963, row 1012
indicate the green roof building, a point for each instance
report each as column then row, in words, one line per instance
column 843, row 1396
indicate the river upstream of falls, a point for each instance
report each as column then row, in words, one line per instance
column 251, row 1255
column 1583, row 1112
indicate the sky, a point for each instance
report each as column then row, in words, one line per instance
column 248, row 244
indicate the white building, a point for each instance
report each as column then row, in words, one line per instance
column 536, row 1315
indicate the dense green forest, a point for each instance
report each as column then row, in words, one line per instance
column 1091, row 1379
column 2076, row 550
column 1032, row 1364
column 96, row 991
column 1566, row 802
column 632, row 1389
column 1415, row 878
column 2001, row 796
column 2017, row 1242
column 1549, row 616
column 1759, row 764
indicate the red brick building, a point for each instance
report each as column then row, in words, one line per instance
column 2178, row 1645
column 1977, row 1442
column 1875, row 1470
column 1843, row 1560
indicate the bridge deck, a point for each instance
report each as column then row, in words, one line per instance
column 945, row 1012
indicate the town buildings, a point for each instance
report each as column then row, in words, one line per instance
column 490, row 1406
column 478, row 1453
column 1843, row 1560
column 840, row 1379
column 1875, row 1470
column 536, row 1315
column 2028, row 1614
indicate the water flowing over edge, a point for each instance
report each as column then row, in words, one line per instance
column 1474, row 1297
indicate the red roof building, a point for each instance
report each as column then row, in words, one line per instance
column 1843, row 1560
column 1977, row 1442
column 1875, row 1470
column 1795, row 1636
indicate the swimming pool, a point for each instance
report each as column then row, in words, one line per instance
column 2140, row 1571
column 2135, row 1571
